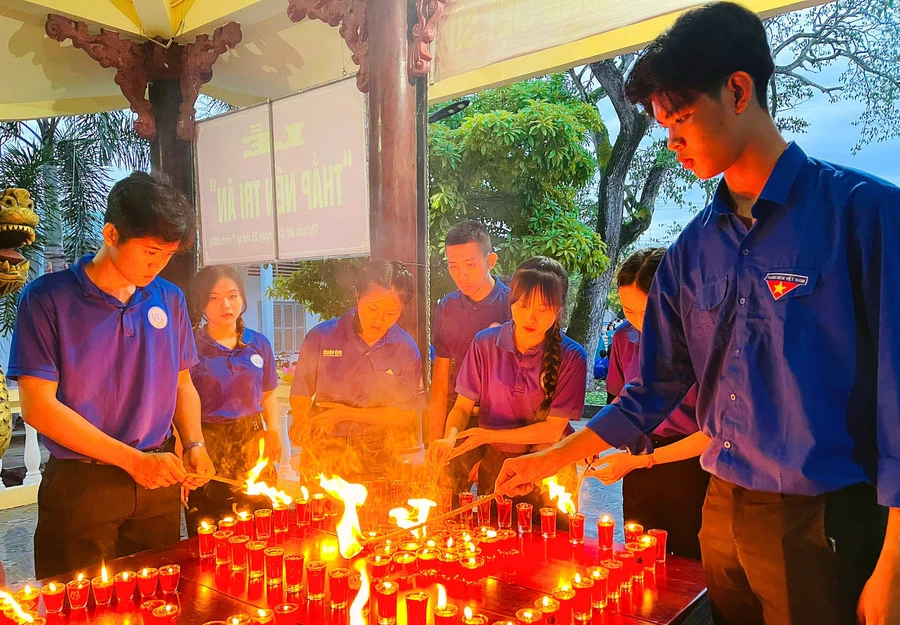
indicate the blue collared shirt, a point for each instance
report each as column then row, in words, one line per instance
column 336, row 365
column 757, row 318
column 231, row 382
column 116, row 364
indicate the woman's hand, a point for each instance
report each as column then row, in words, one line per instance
column 439, row 452
column 474, row 438
column 618, row 465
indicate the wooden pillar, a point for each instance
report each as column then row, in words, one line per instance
column 397, row 216
column 173, row 158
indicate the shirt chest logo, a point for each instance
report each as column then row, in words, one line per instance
column 332, row 353
column 157, row 317
column 780, row 284
column 257, row 361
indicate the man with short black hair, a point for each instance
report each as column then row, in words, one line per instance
column 102, row 353
column 752, row 303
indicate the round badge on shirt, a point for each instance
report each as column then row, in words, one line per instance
column 257, row 360
column 157, row 317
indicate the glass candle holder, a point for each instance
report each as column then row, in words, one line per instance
column 629, row 567
column 582, row 606
column 223, row 549
column 146, row 608
column 281, row 518
column 274, row 565
column 600, row 575
column 448, row 564
column 404, row 564
column 318, row 505
column 523, row 516
column 637, row 550
column 244, row 524
column 339, row 585
column 549, row 607
column 169, row 576
column 484, row 510
column 471, row 567
column 103, row 590
column 239, row 553
column 165, row 615
column 386, row 602
column 28, row 597
column 426, row 560
column 256, row 559
column 445, row 614
column 565, row 596
column 445, row 500
column 576, row 528
column 504, row 513
column 124, row 582
column 466, row 498
column 78, row 591
column 147, row 580
column 615, row 579
column 633, row 532
column 207, row 542
column 470, row 618
column 548, row 522
column 529, row 616
column 54, row 596
column 293, row 572
column 286, row 614
column 378, row 565
column 605, row 528
column 410, row 545
column 303, row 513
column 262, row 616
column 507, row 541
column 239, row 619
column 263, row 519
column 315, row 580
column 417, row 607
column 661, row 536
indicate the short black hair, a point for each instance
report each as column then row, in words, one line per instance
column 469, row 231
column 640, row 267
column 143, row 205
column 697, row 55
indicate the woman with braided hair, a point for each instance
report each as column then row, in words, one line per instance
column 526, row 375
column 356, row 392
column 236, row 381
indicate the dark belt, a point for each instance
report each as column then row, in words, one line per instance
column 168, row 446
column 252, row 422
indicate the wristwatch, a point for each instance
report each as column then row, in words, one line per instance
column 190, row 446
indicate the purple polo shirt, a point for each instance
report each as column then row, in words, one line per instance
column 507, row 383
column 116, row 364
column 231, row 382
column 336, row 365
column 625, row 366
column 457, row 319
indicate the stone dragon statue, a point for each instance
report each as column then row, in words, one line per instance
column 18, row 222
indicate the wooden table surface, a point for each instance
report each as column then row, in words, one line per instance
column 510, row 582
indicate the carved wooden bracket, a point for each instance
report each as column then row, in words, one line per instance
column 428, row 14
column 350, row 15
column 138, row 64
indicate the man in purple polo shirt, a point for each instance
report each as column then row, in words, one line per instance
column 482, row 301
column 102, row 353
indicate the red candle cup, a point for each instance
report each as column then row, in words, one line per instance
column 318, row 505
column 28, row 598
column 378, row 565
column 548, row 522
column 507, row 541
column 582, row 607
column 529, row 616
column 263, row 616
column 445, row 615
column 339, row 583
column 103, row 590
column 661, row 536
column 263, row 518
column 605, row 528
column 600, row 575
column 523, row 516
column 146, row 608
column 78, row 591
column 303, row 513
column 549, row 607
column 293, row 572
column 466, row 498
column 315, row 580
column 169, row 576
column 223, row 549
column 426, row 560
column 54, row 596
column 449, row 564
column 165, row 615
column 629, row 563
column 239, row 553
column 636, row 550
column 124, row 582
column 504, row 513
column 281, row 517
column 576, row 528
column 565, row 596
column 147, row 580
column 615, row 578
column 633, row 532
column 471, row 567
column 648, row 552
column 227, row 524
column 286, row 614
column 445, row 497
column 238, row 619
column 484, row 510
column 256, row 558
column 274, row 565
column 244, row 524
column 386, row 602
column 417, row 608
column 207, row 542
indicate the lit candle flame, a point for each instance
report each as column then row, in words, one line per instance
column 605, row 519
column 645, row 540
column 564, row 502
column 546, row 601
column 104, row 575
column 527, row 614
column 204, row 525
column 143, row 572
column 228, row 519
column 491, row 533
column 353, row 496
column 277, row 497
column 261, row 612
column 125, row 576
column 235, row 620
column 305, row 493
column 362, row 596
column 468, row 612
column 243, row 514
column 442, row 597
column 52, row 587
column 450, row 543
column 27, row 589
column 472, row 561
column 577, row 578
column 402, row 519
column 566, row 587
column 80, row 577
column 9, row 602
column 470, row 547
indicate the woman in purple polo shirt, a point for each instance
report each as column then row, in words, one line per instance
column 355, row 396
column 236, row 381
column 669, row 494
column 526, row 375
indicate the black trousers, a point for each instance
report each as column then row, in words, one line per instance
column 789, row 559
column 669, row 497
column 88, row 512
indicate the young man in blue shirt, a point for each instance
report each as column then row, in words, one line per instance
column 751, row 303
column 102, row 353
column 482, row 301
